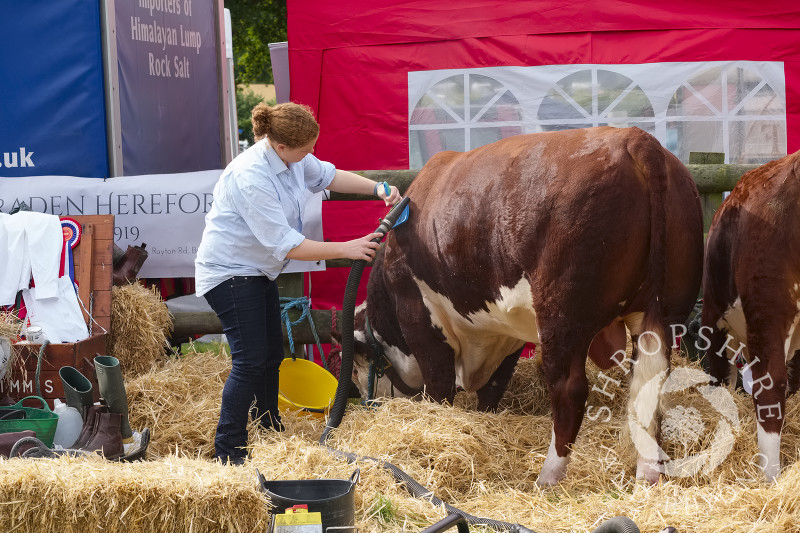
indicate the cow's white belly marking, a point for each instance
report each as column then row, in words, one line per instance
column 733, row 321
column 482, row 339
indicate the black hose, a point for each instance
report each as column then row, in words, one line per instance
column 37, row 448
column 446, row 523
column 419, row 491
column 348, row 315
column 618, row 524
column 346, row 368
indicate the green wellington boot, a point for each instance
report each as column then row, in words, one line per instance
column 112, row 390
column 77, row 388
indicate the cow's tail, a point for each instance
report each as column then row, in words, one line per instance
column 648, row 330
column 651, row 162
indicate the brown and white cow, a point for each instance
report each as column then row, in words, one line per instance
column 751, row 293
column 548, row 238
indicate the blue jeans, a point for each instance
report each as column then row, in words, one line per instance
column 249, row 309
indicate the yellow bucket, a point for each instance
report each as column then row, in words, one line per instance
column 305, row 386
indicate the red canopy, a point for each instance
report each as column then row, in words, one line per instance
column 349, row 59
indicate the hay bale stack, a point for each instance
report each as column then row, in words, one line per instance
column 75, row 495
column 140, row 324
column 180, row 400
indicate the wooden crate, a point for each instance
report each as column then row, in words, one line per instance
column 94, row 289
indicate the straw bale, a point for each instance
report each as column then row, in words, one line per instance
column 140, row 324
column 75, row 495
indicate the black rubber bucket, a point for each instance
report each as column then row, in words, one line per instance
column 334, row 499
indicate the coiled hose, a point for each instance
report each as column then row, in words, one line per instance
column 619, row 524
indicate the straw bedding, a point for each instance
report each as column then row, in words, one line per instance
column 484, row 464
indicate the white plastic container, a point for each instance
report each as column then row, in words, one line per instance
column 69, row 424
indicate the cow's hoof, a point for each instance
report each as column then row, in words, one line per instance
column 648, row 470
column 550, row 477
column 545, row 482
column 771, row 471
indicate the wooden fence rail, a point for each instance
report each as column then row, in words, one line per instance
column 711, row 179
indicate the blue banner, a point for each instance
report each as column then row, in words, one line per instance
column 168, row 86
column 52, row 106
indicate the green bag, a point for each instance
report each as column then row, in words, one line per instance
column 42, row 420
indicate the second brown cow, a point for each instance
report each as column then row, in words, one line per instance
column 751, row 294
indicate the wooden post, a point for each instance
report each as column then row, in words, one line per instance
column 709, row 201
column 186, row 323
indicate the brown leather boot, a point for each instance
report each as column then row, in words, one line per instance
column 89, row 424
column 106, row 437
column 126, row 268
column 8, row 440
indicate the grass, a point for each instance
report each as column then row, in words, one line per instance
column 383, row 509
column 217, row 348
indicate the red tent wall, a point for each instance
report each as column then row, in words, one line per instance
column 349, row 61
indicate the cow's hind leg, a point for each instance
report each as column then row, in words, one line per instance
column 564, row 366
column 769, row 375
column 489, row 395
column 650, row 369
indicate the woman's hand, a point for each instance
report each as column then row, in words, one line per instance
column 394, row 194
column 362, row 248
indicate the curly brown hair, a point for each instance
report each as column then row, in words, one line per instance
column 289, row 123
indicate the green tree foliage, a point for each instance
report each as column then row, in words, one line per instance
column 255, row 24
column 246, row 100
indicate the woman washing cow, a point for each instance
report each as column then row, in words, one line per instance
column 252, row 230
